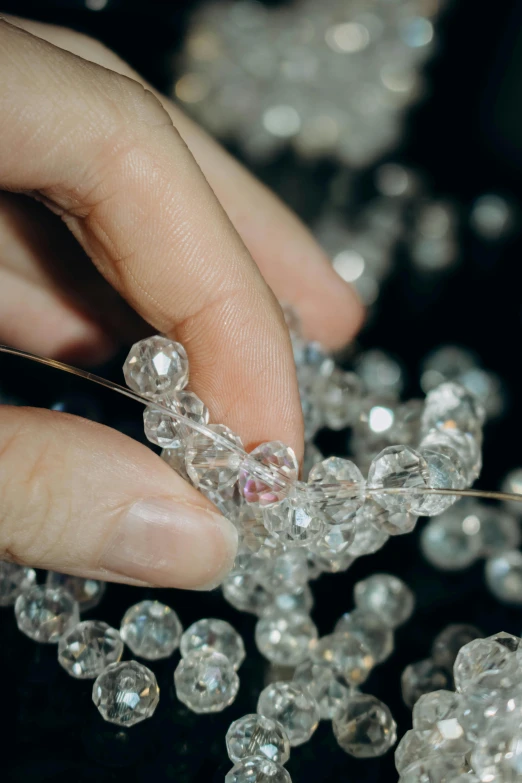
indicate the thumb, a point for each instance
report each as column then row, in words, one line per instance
column 81, row 498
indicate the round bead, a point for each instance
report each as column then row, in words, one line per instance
column 210, row 465
column 283, row 638
column 293, row 706
column 88, row 592
column 301, row 601
column 497, row 756
column 337, row 488
column 437, row 767
column 214, row 635
column 448, row 642
column 257, row 769
column 166, row 431
column 504, row 576
column 256, row 735
column 243, row 591
column 339, row 397
column 399, row 467
column 462, row 448
column 443, row 474
column 295, row 521
column 126, row 693
column 365, row 728
column 484, row 663
column 46, row 614
column 86, row 650
column 151, row 630
column 326, row 685
column 155, row 366
column 370, row 630
column 451, row 406
column 433, row 707
column 370, row 535
column 386, row 596
column 499, row 532
column 347, row 654
column 272, row 455
column 422, row 677
column 206, row 681
column 452, row 541
column 14, row 579
column 281, row 573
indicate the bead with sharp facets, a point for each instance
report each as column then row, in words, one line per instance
column 256, row 735
column 336, row 487
column 45, row 614
column 206, row 681
column 276, row 458
column 86, row 650
column 209, row 464
column 387, row 596
column 422, row 677
column 243, row 591
column 126, row 693
column 462, row 448
column 257, row 769
column 156, row 366
column 165, row 430
column 285, row 639
column 443, row 474
column 370, row 535
column 365, row 728
column 293, row 706
column 497, row 756
column 439, row 769
column 283, row 572
column 213, row 635
column 484, row 663
column 326, row 685
column 399, row 467
column 296, row 520
column 451, row 406
column 88, row 592
column 433, row 707
column 368, row 627
column 151, row 630
column 346, row 654
column 14, row 579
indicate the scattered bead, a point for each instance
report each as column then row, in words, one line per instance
column 206, row 681
column 293, row 706
column 126, row 693
column 151, row 630
column 86, row 650
column 256, row 735
column 365, row 728
column 386, row 596
column 46, row 614
column 213, row 635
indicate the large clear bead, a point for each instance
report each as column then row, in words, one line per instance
column 497, row 756
column 416, row 745
column 14, row 579
column 45, row 614
column 484, row 663
column 86, row 650
column 256, row 735
column 282, row 572
column 451, row 406
column 443, row 474
column 448, row 642
column 326, row 685
column 214, row 635
column 257, row 769
column 285, row 638
column 435, row 769
column 293, row 706
column 295, row 521
column 126, row 693
column 337, row 488
column 370, row 535
column 387, row 596
column 369, row 628
column 452, row 541
column 243, row 591
column 156, row 366
column 206, row 681
column 462, row 448
column 281, row 464
column 365, row 728
column 435, row 706
column 399, row 467
column 151, row 630
column 347, row 654
column 209, row 464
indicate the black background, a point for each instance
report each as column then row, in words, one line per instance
column 467, row 137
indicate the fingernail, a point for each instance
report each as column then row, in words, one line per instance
column 171, row 544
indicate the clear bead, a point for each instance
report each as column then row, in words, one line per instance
column 164, row 430
column 284, row 572
column 295, row 521
column 491, row 216
column 443, row 474
column 339, row 396
column 380, row 373
column 462, row 448
column 337, row 502
column 399, row 523
column 433, row 707
column 206, row 681
column 88, row 592
column 422, row 745
column 126, row 693
column 452, row 542
column 243, row 591
column 487, row 388
column 257, row 769
column 293, row 706
column 484, row 663
column 175, row 457
column 334, row 542
column 436, row 769
column 499, row 531
column 301, row 601
column 213, row 635
column 497, row 756
column 370, row 535
column 399, row 467
column 347, row 655
column 507, row 640
column 326, row 685
column 89, row 648
column 451, row 406
column 46, row 614
column 156, row 366
column 445, row 364
column 448, row 642
column 365, row 728
column 151, row 630
column 255, row 735
column 209, row 464
column 504, row 576
column 483, row 709
column 273, row 455
column 386, row 596
column 369, row 628
column 422, row 677
column 285, row 639
column 14, row 579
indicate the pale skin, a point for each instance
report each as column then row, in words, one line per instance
column 114, row 205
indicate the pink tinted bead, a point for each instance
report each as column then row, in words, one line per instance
column 271, row 455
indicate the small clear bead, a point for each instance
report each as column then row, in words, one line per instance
column 338, row 502
column 165, row 430
column 295, row 521
column 284, row 572
column 448, row 642
column 370, row 535
column 206, row 681
column 88, row 592
column 151, row 630
column 422, row 677
column 387, row 596
column 443, row 474
column 155, row 366
column 214, row 635
column 243, row 591
column 368, row 627
column 285, row 639
column 365, row 728
column 257, row 769
column 334, row 542
column 175, row 457
column 462, row 448
column 451, row 406
column 293, row 706
column 273, row 455
column 45, row 614
column 326, row 685
column 497, row 756
column 433, row 707
column 89, row 648
column 14, row 579
column 256, row 735
column 504, row 576
column 399, row 467
column 347, row 654
column 126, row 693
column 484, row 663
column 452, row 541
column 209, row 464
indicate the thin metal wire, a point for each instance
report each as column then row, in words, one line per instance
column 261, row 472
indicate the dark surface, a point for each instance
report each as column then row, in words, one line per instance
column 468, row 138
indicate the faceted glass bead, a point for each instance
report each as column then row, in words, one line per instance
column 209, row 464
column 433, row 707
column 484, row 709
column 255, row 735
column 284, row 572
column 293, row 706
column 126, row 693
column 337, row 488
column 175, row 457
column 499, row 531
column 243, row 591
column 301, row 601
column 347, row 654
column 365, row 728
column 422, row 677
column 452, row 542
column 443, row 474
column 155, row 366
column 164, row 430
column 276, row 455
column 386, row 596
column 206, row 681
column 295, row 521
column 497, row 756
column 14, row 579
column 504, row 576
column 213, row 635
column 89, row 648
column 339, row 396
column 151, row 630
column 484, row 663
column 370, row 535
column 329, row 562
column 462, row 448
column 451, row 406
column 257, row 769
column 46, row 614
column 88, row 592
column 399, row 467
column 398, row 523
column 368, row 627
column 326, row 685
column 283, row 638
column 436, row 769
column 507, row 640
column 416, row 745
column 448, row 642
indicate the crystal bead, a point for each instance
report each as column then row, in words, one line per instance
column 347, row 654
column 255, row 735
column 206, row 681
column 452, row 542
column 126, row 693
column 487, row 388
column 463, row 450
column 244, row 592
column 14, row 579
column 257, row 769
column 209, row 464
column 301, row 601
column 326, row 686
column 155, row 366
column 213, row 635
column 386, row 596
column 175, row 457
column 339, row 396
column 337, row 502
column 482, row 709
column 504, row 576
column 365, row 728
column 399, row 467
column 451, row 406
column 285, row 639
column 445, row 364
column 86, row 650
column 399, row 523
column 484, row 663
column 46, row 614
column 295, row 521
column 416, row 745
column 165, row 430
column 283, row 462
column 405, row 428
column 497, row 756
column 151, row 630
column 507, row 640
column 422, row 677
column 499, row 531
column 512, row 483
column 380, row 373
column 88, row 592
column 433, row 707
column 328, row 562
column 334, row 542
column 436, row 769
column 370, row 535
column 448, row 642
column 369, row 629
column 293, row 707
column 283, row 573
column 443, row 474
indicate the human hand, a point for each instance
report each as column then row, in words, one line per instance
column 194, row 245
